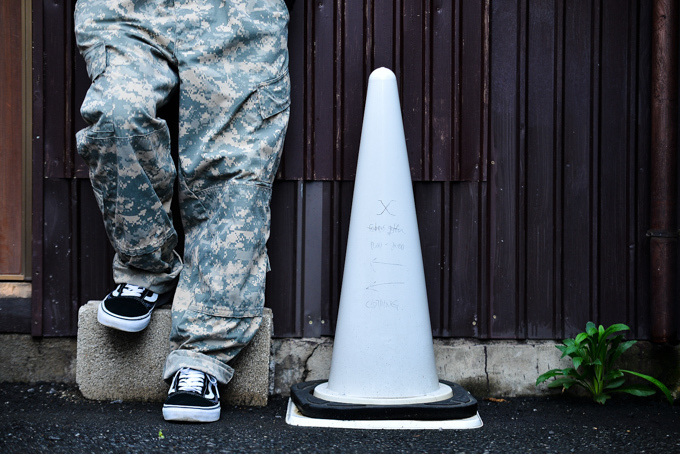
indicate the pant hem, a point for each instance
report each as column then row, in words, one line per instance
column 184, row 358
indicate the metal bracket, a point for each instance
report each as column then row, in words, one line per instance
column 663, row 234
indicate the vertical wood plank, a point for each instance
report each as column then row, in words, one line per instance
column 641, row 170
column 445, row 90
column 324, row 103
column 383, row 29
column 432, row 213
column 353, row 88
column 540, row 170
column 472, row 89
column 465, row 258
column 280, row 294
column 56, row 154
column 577, row 170
column 95, row 275
column 293, row 160
column 38, row 173
column 412, row 76
column 613, row 171
column 59, row 318
column 506, row 142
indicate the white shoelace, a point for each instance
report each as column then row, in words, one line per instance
column 132, row 290
column 190, row 380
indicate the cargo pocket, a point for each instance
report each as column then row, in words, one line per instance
column 273, row 96
column 96, row 60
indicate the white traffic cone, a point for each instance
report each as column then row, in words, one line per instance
column 383, row 357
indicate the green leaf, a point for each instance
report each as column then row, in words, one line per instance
column 615, row 383
column 580, row 338
column 564, row 382
column 614, row 329
column 636, row 390
column 600, row 332
column 613, row 374
column 577, row 361
column 551, row 373
column 570, row 350
column 655, row 382
column 591, row 329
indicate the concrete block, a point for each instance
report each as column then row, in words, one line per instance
column 113, row 365
column 250, row 383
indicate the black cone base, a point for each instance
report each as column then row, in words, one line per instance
column 460, row 406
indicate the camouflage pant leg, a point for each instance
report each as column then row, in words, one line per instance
column 234, row 110
column 126, row 147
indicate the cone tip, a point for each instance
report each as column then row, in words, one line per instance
column 382, row 74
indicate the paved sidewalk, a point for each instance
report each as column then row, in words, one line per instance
column 56, row 418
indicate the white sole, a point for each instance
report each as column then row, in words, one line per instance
column 185, row 413
column 130, row 325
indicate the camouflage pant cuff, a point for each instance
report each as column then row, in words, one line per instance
column 156, row 282
column 185, row 358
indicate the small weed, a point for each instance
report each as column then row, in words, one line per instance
column 593, row 354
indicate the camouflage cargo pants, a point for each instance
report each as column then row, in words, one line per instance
column 229, row 61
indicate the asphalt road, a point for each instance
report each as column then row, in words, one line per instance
column 55, row 418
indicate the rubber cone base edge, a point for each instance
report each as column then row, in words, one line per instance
column 456, row 412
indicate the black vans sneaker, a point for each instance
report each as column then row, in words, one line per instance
column 128, row 307
column 193, row 397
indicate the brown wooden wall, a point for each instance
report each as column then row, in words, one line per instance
column 527, row 125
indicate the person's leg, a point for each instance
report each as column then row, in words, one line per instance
column 129, row 59
column 234, row 110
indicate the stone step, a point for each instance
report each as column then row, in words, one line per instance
column 115, row 365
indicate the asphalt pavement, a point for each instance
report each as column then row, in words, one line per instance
column 55, row 418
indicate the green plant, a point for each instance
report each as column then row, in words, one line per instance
column 593, row 354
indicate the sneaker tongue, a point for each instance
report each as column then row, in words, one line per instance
column 132, row 290
column 191, row 380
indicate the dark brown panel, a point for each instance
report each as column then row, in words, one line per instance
column 60, row 264
column 577, row 239
column 37, row 301
column 640, row 282
column 283, row 280
column 473, row 69
column 507, row 126
column 542, row 160
column 321, row 160
column 353, row 82
column 96, row 254
column 446, row 90
column 338, row 45
column 293, row 160
column 57, row 74
column 15, row 315
column 617, row 118
column 11, row 151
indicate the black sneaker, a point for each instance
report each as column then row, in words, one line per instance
column 193, row 397
column 128, row 307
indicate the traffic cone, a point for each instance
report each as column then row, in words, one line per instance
column 383, row 372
